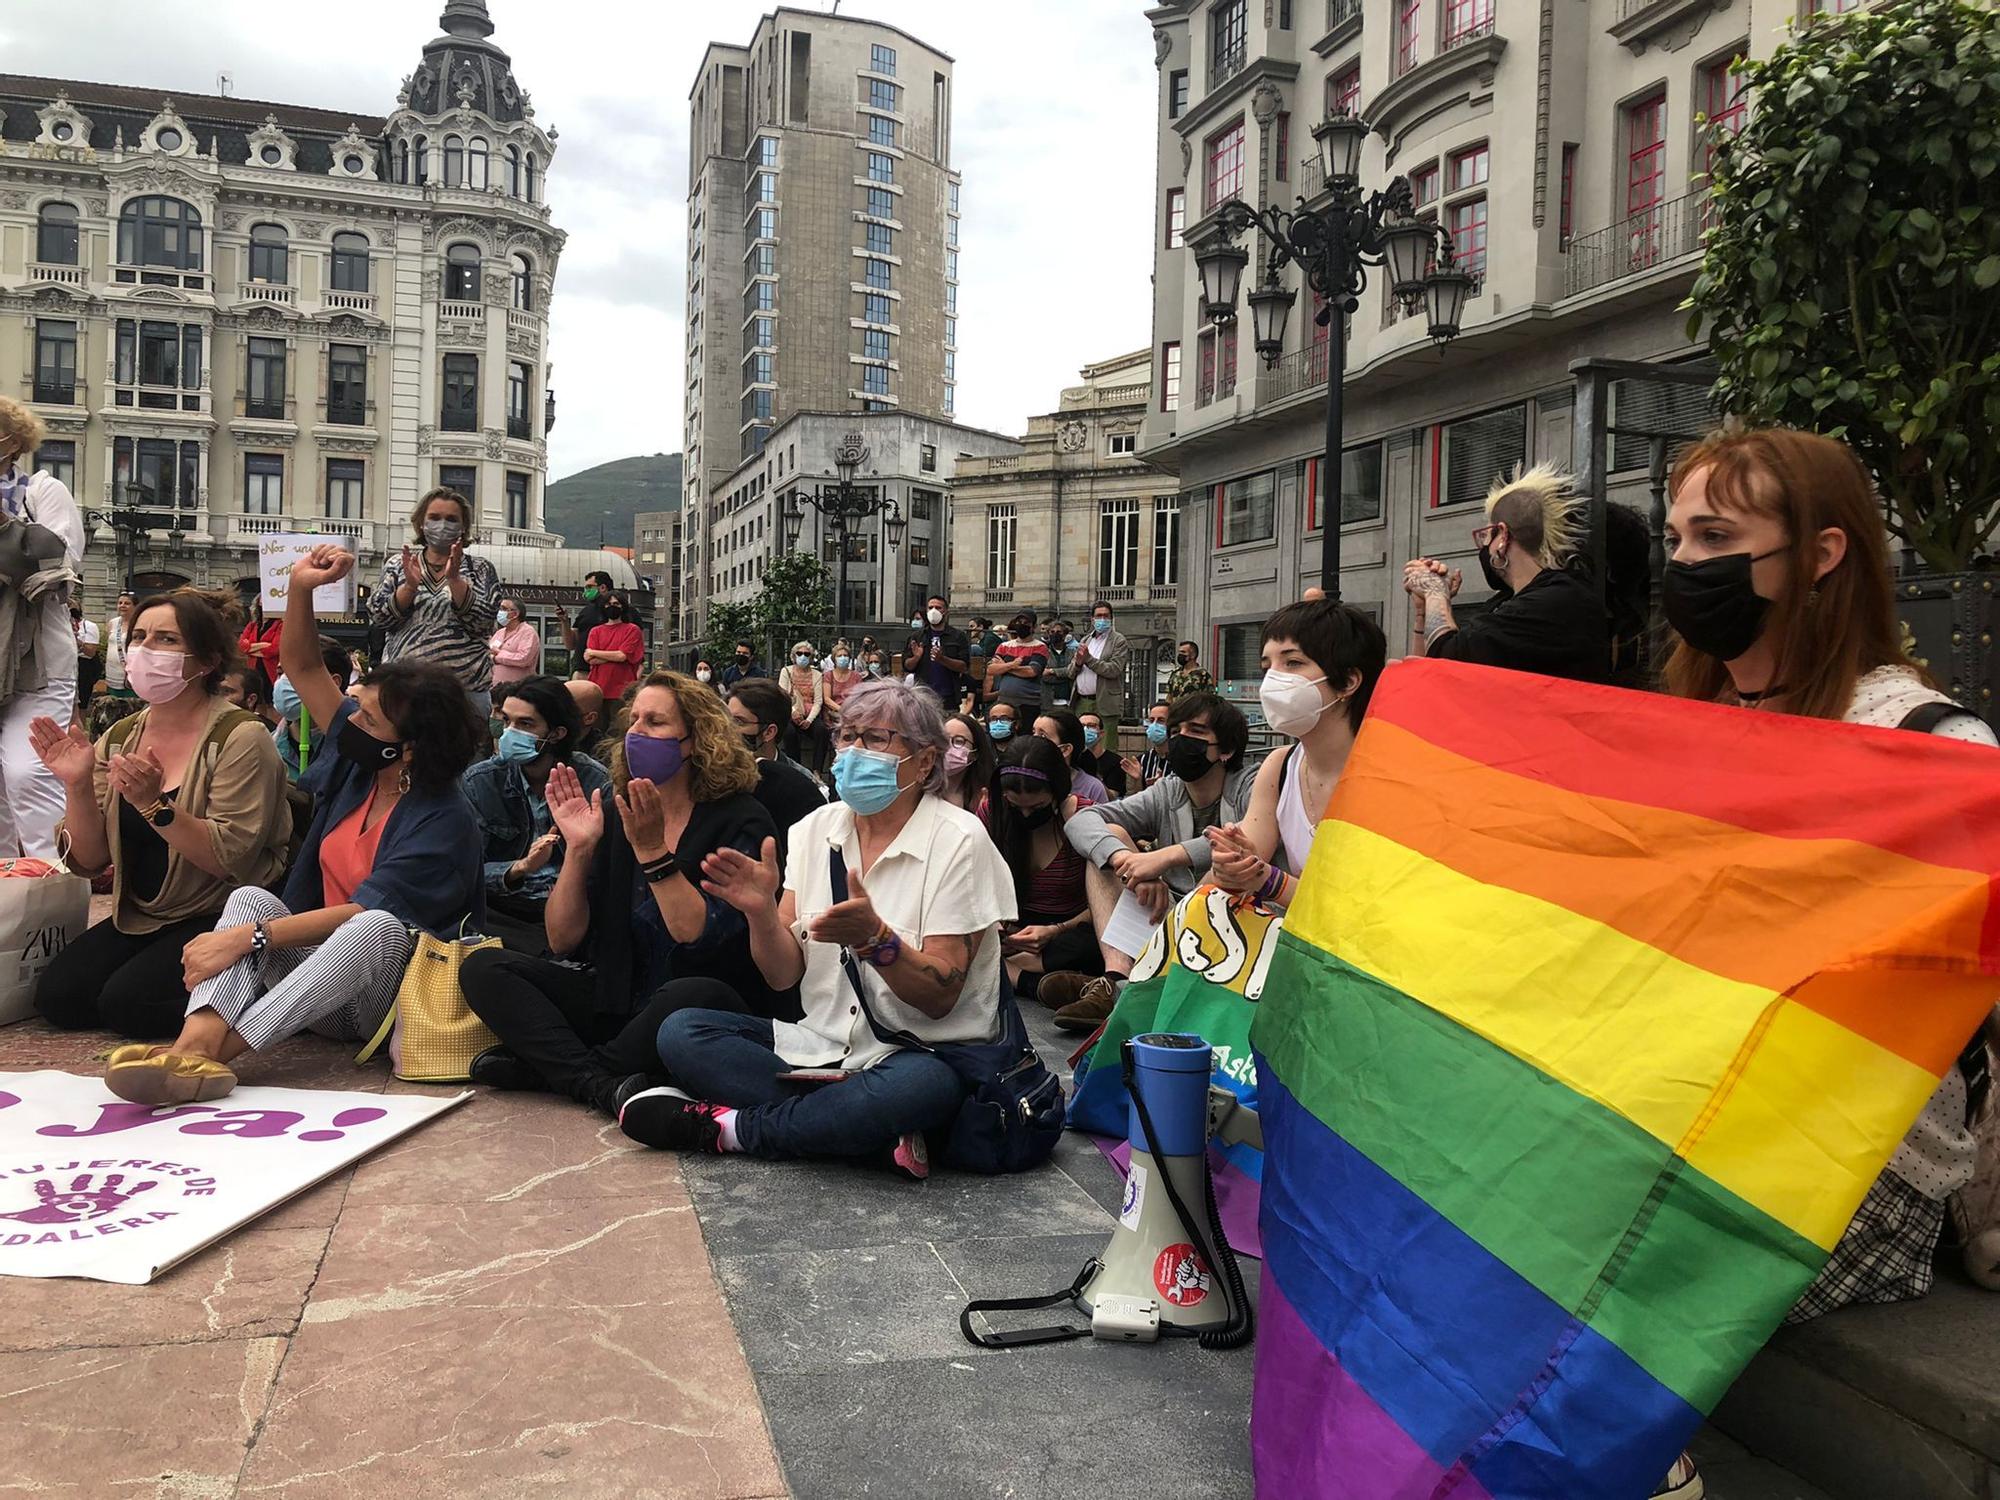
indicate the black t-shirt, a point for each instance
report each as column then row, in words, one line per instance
column 1555, row 626
column 586, row 619
column 787, row 795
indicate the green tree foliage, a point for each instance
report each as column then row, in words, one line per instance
column 728, row 624
column 798, row 591
column 1851, row 283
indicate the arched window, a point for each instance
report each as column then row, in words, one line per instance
column 423, row 160
column 513, row 171
column 55, row 235
column 270, row 254
column 454, row 161
column 461, row 273
column 350, row 262
column 523, row 273
column 160, row 232
column 403, row 162
column 475, row 164
column 528, row 179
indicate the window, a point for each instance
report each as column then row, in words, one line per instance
column 882, row 95
column 1409, row 26
column 880, row 240
column 1122, row 444
column 763, row 333
column 344, row 482
column 1247, row 509
column 920, row 551
column 765, row 151
column 875, row 273
column 1170, row 377
column 519, row 386
column 1000, row 523
column 1467, row 222
column 951, row 297
column 874, row 380
column 1343, row 90
column 882, row 59
column 168, row 474
column 59, row 458
column 1228, row 34
column 461, row 273
column 264, row 384
column 1424, row 185
column 454, row 161
column 1566, row 202
column 263, row 484
column 764, row 224
column 1177, row 93
column 881, row 131
column 761, row 296
column 1118, row 544
column 881, row 204
column 463, row 478
column 164, row 356
column 1216, row 364
column 1465, row 19
column 875, row 308
column 1223, row 176
column 521, row 275
column 1831, row 7
column 764, row 188
column 350, row 262
column 874, row 344
column 270, row 254
column 423, row 161
column 1724, row 103
column 159, row 232
column 1470, row 167
column 1237, row 657
column 757, row 370
column 881, row 167
column 1645, row 175
column 1281, row 168
column 950, row 332
column 950, row 365
column 347, row 384
column 56, row 235
column 927, row 463
column 475, row 164
column 459, row 411
column 1166, row 541
column 55, row 362
column 517, row 500
column 763, row 261
column 528, row 180
column 1478, row 450
column 513, row 171
column 1284, row 15
column 1360, row 484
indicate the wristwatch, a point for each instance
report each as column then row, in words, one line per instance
column 660, row 869
column 160, row 814
column 885, row 949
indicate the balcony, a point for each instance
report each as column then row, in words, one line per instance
column 467, row 312
column 55, row 393
column 42, row 271
column 519, row 429
column 360, row 302
column 1639, row 23
column 1301, row 370
column 270, row 291
column 525, row 323
column 1665, row 236
column 1460, row 72
column 264, row 411
column 347, row 413
column 520, row 538
column 1343, row 25
column 1226, row 66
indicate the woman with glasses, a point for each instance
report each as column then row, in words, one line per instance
column 890, row 907
column 969, row 758
column 1034, row 797
column 627, row 914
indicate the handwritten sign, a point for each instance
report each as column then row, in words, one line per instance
column 275, row 555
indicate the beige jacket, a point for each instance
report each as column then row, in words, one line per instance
column 239, row 788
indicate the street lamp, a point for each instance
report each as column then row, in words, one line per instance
column 843, row 503
column 1333, row 248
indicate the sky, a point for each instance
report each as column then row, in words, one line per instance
column 1053, row 127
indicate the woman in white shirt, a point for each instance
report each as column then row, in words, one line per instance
column 926, row 894
column 117, row 631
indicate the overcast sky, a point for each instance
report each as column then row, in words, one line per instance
column 1053, row 131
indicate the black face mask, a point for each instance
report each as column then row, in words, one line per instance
column 750, row 742
column 1495, row 579
column 1038, row 818
column 1713, row 605
column 361, row 747
column 1184, row 660
column 1187, row 757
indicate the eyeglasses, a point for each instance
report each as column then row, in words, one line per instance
column 961, row 741
column 1483, row 534
column 868, row 739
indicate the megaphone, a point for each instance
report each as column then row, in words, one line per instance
column 1165, row 1269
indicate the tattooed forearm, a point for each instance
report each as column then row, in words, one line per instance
column 931, row 977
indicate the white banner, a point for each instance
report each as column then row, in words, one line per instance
column 93, row 1186
column 275, row 555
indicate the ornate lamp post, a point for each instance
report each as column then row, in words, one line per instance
column 843, row 503
column 1333, row 248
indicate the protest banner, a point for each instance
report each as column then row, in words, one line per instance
column 275, row 555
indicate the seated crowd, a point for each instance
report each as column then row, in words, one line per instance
column 699, row 943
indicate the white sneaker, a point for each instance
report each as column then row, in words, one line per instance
column 1683, row 1482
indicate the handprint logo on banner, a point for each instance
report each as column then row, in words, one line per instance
column 81, row 1201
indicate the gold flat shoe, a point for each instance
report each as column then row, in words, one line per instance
column 131, row 1052
column 169, row 1078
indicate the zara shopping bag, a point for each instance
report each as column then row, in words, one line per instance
column 42, row 909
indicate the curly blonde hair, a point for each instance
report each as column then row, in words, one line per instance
column 20, row 429
column 718, row 763
column 1539, row 508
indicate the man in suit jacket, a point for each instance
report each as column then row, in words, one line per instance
column 1098, row 669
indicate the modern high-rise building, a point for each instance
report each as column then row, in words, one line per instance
column 822, row 271
column 1564, row 147
column 239, row 318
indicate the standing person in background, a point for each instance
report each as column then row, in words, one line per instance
column 117, row 632
column 614, row 651
column 800, row 681
column 983, row 638
column 589, row 699
column 31, row 796
column 589, row 615
column 1189, row 675
column 435, row 602
column 1058, row 689
column 943, row 653
column 89, row 654
column 516, row 649
column 1014, row 677
column 744, row 666
column 1099, row 671
column 261, row 639
column 244, row 686
column 841, row 678
column 913, row 650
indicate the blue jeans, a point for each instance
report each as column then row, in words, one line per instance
column 729, row 1059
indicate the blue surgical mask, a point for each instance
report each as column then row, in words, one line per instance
column 517, row 746
column 1090, row 737
column 1001, row 729
column 503, row 619
column 285, row 699
column 866, row 779
column 1156, row 733
column 843, row 662
column 1102, row 627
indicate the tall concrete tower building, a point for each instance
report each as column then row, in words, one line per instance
column 822, row 271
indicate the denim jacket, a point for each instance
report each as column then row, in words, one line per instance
column 509, row 821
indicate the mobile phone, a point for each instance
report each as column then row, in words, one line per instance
column 813, row 1075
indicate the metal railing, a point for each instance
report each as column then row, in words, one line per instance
column 1627, row 9
column 1657, row 236
column 1340, row 12
column 1466, row 34
column 1228, row 65
column 1301, row 370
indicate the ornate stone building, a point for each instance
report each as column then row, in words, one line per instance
column 240, row 318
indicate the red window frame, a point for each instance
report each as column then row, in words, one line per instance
column 1204, row 377
column 1645, row 154
column 1170, row 376
column 1725, row 103
column 1222, row 174
column 1468, row 168
column 1312, row 495
column 1409, row 29
column 1466, row 18
column 1226, row 376
column 1467, row 222
column 1282, row 168
column 1566, row 203
column 1176, row 217
column 1424, row 185
column 1343, row 91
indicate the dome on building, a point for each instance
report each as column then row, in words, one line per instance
column 464, row 68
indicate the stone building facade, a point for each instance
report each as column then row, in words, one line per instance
column 240, row 318
column 1077, row 517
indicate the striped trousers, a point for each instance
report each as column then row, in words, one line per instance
column 341, row 989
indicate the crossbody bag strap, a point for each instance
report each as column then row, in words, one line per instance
column 381, row 1035
column 837, row 880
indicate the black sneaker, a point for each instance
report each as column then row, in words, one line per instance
column 668, row 1120
column 606, row 1093
column 499, row 1068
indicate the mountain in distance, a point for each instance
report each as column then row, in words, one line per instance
column 609, row 496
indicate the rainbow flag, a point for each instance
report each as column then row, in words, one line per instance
column 1596, row 1016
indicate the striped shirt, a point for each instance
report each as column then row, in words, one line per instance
column 434, row 629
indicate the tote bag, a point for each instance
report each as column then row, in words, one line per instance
column 432, row 1033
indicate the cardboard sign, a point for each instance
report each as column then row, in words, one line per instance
column 275, row 555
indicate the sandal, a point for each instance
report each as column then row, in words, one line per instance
column 163, row 1077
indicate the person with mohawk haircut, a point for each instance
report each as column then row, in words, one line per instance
column 1544, row 617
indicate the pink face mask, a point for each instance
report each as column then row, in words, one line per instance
column 156, row 676
column 957, row 758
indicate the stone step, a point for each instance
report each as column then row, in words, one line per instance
column 1874, row 1402
column 1730, row 1472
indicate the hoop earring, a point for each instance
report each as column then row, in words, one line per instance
column 403, row 782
